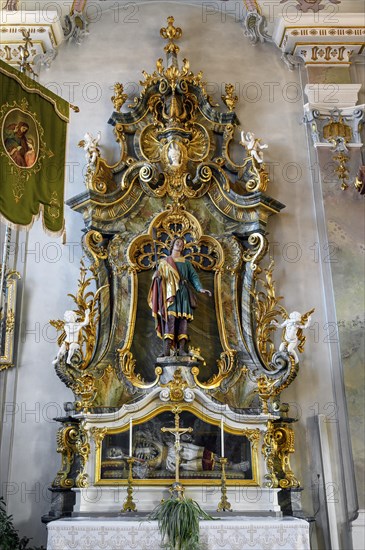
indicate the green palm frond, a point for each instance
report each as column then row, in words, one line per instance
column 178, row 522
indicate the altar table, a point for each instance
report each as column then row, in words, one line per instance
column 228, row 533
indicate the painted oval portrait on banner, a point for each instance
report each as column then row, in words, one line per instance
column 19, row 134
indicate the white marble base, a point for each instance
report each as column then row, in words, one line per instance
column 229, row 533
column 101, row 499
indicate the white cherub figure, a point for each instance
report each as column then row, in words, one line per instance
column 253, row 146
column 291, row 337
column 72, row 329
column 90, row 145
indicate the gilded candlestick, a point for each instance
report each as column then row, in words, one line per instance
column 224, row 505
column 129, row 505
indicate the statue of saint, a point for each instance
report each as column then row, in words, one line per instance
column 171, row 299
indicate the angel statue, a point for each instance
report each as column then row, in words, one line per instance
column 72, row 329
column 253, row 146
column 293, row 332
column 90, row 145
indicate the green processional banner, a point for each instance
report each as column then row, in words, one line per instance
column 33, row 125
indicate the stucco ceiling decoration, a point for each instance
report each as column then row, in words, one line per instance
column 320, row 40
column 317, row 32
column 45, row 32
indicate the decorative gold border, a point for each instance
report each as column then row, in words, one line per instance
column 226, row 360
column 327, row 27
column 21, row 42
column 99, row 207
column 23, row 173
column 49, row 27
column 253, row 436
column 6, row 360
column 35, row 90
column 36, row 125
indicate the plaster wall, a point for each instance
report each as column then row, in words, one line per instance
column 117, row 49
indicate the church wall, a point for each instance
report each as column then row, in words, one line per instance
column 271, row 106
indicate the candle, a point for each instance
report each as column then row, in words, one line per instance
column 130, row 438
column 222, row 438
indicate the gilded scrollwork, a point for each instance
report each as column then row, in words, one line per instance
column 225, row 364
column 87, row 303
column 232, row 254
column 100, row 178
column 176, row 177
column 254, row 255
column 203, row 251
column 277, row 447
column 254, row 436
column 84, row 387
column 177, row 387
column 259, row 178
column 175, row 150
column 269, row 452
column 66, row 446
column 266, row 309
column 98, row 435
column 128, row 368
column 93, row 242
column 82, row 446
column 284, row 436
column 7, row 319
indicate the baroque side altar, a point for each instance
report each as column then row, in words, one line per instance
column 143, row 351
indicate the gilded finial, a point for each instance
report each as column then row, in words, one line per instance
column 230, row 99
column 119, row 98
column 171, row 33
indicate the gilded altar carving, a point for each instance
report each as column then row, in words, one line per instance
column 82, row 446
column 177, row 175
column 66, row 445
column 7, row 319
column 175, row 165
column 278, row 445
column 73, row 445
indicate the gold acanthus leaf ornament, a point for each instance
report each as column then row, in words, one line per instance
column 277, row 446
column 119, row 98
column 171, row 33
column 267, row 308
column 230, row 99
column 84, row 300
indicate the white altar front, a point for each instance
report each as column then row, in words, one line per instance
column 228, row 533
